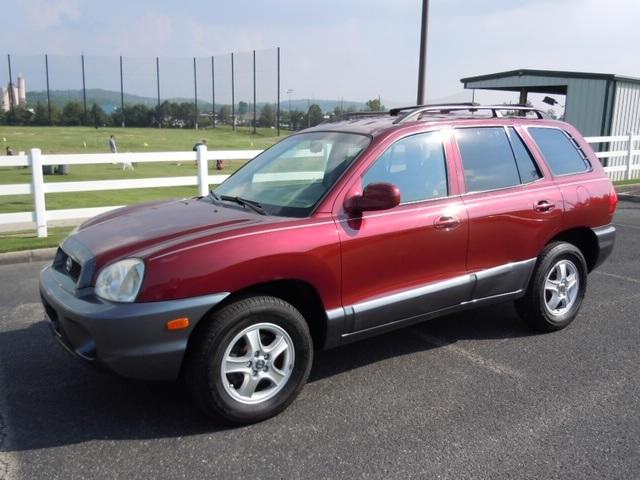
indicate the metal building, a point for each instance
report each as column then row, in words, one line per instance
column 598, row 104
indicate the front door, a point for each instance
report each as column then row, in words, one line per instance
column 408, row 261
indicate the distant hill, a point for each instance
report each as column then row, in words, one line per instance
column 110, row 100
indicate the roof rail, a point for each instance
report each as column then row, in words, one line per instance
column 394, row 112
column 415, row 112
column 350, row 115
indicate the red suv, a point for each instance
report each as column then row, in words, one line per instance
column 349, row 229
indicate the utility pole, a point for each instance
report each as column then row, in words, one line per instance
column 278, row 100
column 46, row 71
column 422, row 65
column 121, row 92
column 11, row 99
column 84, row 91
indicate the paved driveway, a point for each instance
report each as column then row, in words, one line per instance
column 467, row 396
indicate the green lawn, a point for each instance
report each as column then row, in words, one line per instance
column 74, row 139
column 12, row 242
column 92, row 140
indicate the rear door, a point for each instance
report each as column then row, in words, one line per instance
column 410, row 260
column 514, row 207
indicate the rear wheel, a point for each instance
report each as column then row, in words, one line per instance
column 250, row 360
column 556, row 289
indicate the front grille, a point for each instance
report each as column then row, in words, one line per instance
column 67, row 265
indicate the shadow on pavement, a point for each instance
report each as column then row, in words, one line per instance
column 56, row 400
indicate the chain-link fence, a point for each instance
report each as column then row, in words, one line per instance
column 237, row 89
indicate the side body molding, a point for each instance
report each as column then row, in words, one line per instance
column 400, row 309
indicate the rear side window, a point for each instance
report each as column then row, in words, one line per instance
column 559, row 150
column 487, row 158
column 527, row 167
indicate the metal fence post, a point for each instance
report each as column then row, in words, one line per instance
column 627, row 175
column 203, row 170
column 35, row 160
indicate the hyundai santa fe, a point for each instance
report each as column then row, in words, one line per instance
column 352, row 228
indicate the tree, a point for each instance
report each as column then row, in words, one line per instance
column 41, row 115
column 243, row 107
column 97, row 116
column 56, row 115
column 267, row 116
column 338, row 111
column 224, row 114
column 19, row 116
column 315, row 115
column 375, row 105
column 297, row 120
column 138, row 115
column 72, row 113
column 164, row 113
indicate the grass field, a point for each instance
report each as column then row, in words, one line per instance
column 92, row 140
column 15, row 241
column 74, row 139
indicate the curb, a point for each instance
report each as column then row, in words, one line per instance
column 628, row 197
column 28, row 256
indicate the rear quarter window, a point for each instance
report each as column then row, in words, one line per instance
column 559, row 150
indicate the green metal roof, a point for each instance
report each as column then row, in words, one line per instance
column 550, row 73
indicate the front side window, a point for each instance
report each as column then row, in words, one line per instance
column 488, row 160
column 416, row 165
column 559, row 150
column 291, row 177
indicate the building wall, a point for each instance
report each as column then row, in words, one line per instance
column 626, row 118
column 626, row 109
column 585, row 105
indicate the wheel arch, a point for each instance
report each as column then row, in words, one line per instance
column 585, row 240
column 299, row 293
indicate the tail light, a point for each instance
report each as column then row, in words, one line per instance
column 613, row 201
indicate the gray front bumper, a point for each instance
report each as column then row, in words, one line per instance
column 129, row 338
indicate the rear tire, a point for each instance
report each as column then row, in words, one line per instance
column 556, row 289
column 250, row 360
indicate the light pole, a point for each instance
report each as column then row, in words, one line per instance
column 422, row 62
column 289, row 92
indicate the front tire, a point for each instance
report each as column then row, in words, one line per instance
column 556, row 289
column 249, row 360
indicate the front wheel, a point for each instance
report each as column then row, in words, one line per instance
column 250, row 360
column 556, row 289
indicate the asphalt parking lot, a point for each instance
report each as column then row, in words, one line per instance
column 476, row 395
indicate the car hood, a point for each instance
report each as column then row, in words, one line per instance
column 141, row 230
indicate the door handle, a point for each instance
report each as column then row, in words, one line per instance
column 543, row 206
column 446, row 222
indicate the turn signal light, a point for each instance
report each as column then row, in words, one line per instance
column 178, row 324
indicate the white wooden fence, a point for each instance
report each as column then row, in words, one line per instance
column 620, row 166
column 38, row 188
column 620, row 156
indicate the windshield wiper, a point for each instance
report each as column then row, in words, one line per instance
column 255, row 206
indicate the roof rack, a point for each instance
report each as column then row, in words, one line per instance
column 413, row 113
column 350, row 115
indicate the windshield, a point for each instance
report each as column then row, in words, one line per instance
column 291, row 177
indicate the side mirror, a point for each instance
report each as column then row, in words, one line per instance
column 376, row 196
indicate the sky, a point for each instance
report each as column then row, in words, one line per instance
column 331, row 49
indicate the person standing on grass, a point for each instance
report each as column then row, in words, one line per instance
column 113, row 146
column 9, row 151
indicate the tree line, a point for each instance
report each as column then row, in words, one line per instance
column 169, row 115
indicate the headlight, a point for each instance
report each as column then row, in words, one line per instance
column 120, row 281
